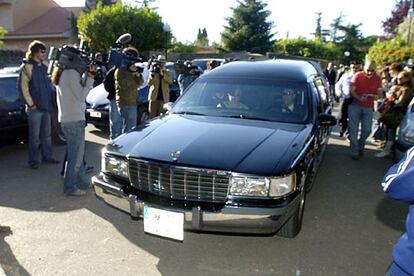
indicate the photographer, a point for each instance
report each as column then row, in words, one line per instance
column 100, row 70
column 187, row 76
column 71, row 96
column 126, row 85
column 159, row 86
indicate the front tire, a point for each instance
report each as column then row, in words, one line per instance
column 293, row 225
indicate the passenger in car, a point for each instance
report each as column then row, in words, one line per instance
column 233, row 100
column 289, row 99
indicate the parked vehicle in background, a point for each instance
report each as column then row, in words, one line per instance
column 97, row 104
column 405, row 134
column 202, row 62
column 13, row 119
column 236, row 153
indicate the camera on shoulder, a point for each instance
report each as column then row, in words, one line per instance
column 69, row 57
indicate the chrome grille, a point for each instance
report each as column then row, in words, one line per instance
column 181, row 183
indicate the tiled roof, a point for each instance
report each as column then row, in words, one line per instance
column 54, row 21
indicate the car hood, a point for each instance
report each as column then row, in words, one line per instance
column 243, row 146
column 97, row 96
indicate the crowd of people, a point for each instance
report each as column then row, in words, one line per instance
column 367, row 96
column 364, row 97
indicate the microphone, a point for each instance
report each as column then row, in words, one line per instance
column 124, row 39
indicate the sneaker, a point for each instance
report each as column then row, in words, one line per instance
column 77, row 192
column 51, row 161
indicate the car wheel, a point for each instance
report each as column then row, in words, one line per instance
column 292, row 227
column 310, row 178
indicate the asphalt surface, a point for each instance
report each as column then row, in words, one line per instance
column 349, row 226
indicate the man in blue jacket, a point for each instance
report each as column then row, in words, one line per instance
column 398, row 183
column 35, row 87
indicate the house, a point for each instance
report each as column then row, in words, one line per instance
column 44, row 20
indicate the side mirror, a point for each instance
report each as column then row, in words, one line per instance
column 326, row 120
column 167, row 107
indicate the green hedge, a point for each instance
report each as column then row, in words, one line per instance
column 389, row 51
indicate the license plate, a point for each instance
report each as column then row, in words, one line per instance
column 164, row 223
column 95, row 114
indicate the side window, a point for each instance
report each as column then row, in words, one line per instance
column 322, row 95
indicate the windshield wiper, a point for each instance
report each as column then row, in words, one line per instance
column 247, row 117
column 189, row 113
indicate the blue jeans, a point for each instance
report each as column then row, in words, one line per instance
column 40, row 138
column 115, row 121
column 75, row 177
column 358, row 114
column 129, row 117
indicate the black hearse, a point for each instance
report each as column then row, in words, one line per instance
column 236, row 153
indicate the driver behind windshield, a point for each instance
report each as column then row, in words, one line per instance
column 233, row 100
column 288, row 101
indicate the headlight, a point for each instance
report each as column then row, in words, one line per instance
column 115, row 165
column 262, row 186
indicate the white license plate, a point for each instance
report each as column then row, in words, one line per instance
column 164, row 223
column 95, row 114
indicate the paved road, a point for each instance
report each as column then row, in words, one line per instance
column 349, row 227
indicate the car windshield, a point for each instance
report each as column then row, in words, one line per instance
column 255, row 99
column 8, row 90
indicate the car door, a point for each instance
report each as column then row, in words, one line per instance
column 323, row 107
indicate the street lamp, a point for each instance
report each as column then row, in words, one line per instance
column 410, row 15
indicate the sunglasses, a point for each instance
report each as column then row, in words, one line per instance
column 370, row 70
column 43, row 51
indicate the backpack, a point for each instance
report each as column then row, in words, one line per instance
column 109, row 83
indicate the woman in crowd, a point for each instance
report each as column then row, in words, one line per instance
column 399, row 98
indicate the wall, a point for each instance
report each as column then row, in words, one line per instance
column 6, row 16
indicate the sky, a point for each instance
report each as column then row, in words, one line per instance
column 290, row 18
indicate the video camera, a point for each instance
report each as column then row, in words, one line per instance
column 121, row 59
column 154, row 65
column 184, row 68
column 69, row 57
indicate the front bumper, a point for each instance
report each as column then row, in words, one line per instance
column 97, row 117
column 229, row 219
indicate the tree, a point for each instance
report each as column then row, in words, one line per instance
column 398, row 14
column 353, row 42
column 388, row 51
column 320, row 34
column 3, row 31
column 202, row 38
column 103, row 25
column 301, row 46
column 336, row 23
column 248, row 28
column 406, row 32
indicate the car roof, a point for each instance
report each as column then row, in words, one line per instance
column 282, row 69
column 8, row 72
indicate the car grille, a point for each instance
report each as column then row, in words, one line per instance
column 182, row 183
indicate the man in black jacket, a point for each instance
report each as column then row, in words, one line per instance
column 330, row 74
